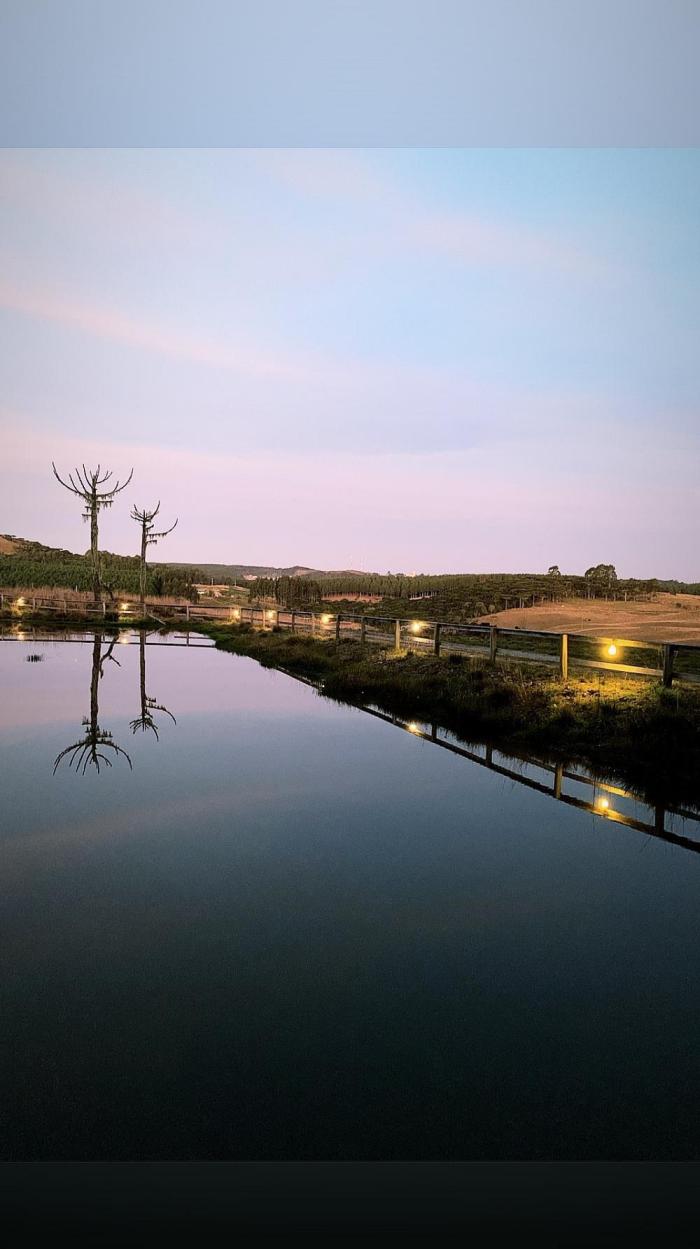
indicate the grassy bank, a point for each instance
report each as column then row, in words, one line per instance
column 634, row 730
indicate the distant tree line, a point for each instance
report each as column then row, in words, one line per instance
column 289, row 591
column 463, row 596
column 36, row 565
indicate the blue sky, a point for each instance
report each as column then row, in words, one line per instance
column 428, row 360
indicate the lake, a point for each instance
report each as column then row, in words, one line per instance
column 242, row 921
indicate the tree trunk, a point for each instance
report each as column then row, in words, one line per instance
column 94, row 684
column 142, row 673
column 95, row 550
column 142, row 580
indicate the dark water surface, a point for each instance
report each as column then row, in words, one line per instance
column 284, row 929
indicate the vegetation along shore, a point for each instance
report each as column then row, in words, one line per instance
column 647, row 736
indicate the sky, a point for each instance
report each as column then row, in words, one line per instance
column 417, row 360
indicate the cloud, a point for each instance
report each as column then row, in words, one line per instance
column 478, row 242
column 104, row 321
column 297, row 398
column 414, row 225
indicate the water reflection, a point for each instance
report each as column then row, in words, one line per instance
column 599, row 797
column 91, row 750
column 572, row 784
column 145, row 720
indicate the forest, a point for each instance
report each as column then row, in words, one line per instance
column 461, row 596
column 37, row 565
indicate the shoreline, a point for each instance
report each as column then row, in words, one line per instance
column 627, row 729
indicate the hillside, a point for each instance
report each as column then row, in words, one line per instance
column 26, row 564
column 664, row 618
column 235, row 572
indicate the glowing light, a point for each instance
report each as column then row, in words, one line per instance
column 124, row 606
column 19, row 602
column 325, row 618
column 416, row 626
column 413, row 727
column 603, row 804
column 236, row 613
column 612, row 650
column 269, row 614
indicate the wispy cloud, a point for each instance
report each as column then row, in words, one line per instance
column 414, row 223
column 474, row 241
column 103, row 321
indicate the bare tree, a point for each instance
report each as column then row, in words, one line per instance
column 148, row 538
column 91, row 749
column 146, row 719
column 87, row 487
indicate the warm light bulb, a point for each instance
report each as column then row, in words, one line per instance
column 612, row 650
column 413, row 727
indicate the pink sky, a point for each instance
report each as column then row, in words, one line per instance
column 412, row 361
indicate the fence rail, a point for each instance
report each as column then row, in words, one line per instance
column 671, row 661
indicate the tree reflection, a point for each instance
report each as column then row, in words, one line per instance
column 146, row 720
column 91, row 750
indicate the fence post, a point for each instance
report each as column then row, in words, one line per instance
column 667, row 677
column 363, row 631
column 337, row 627
column 493, row 644
column 294, row 616
column 437, row 637
column 397, row 634
column 104, row 608
column 564, row 656
column 558, row 774
column 187, row 611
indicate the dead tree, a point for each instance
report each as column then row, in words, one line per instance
column 87, row 487
column 146, row 719
column 92, row 747
column 148, row 538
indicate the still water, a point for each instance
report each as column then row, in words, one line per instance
column 277, row 927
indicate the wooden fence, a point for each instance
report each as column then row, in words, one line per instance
column 604, row 794
column 563, row 652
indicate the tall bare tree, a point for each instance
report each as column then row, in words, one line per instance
column 148, row 538
column 88, row 488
